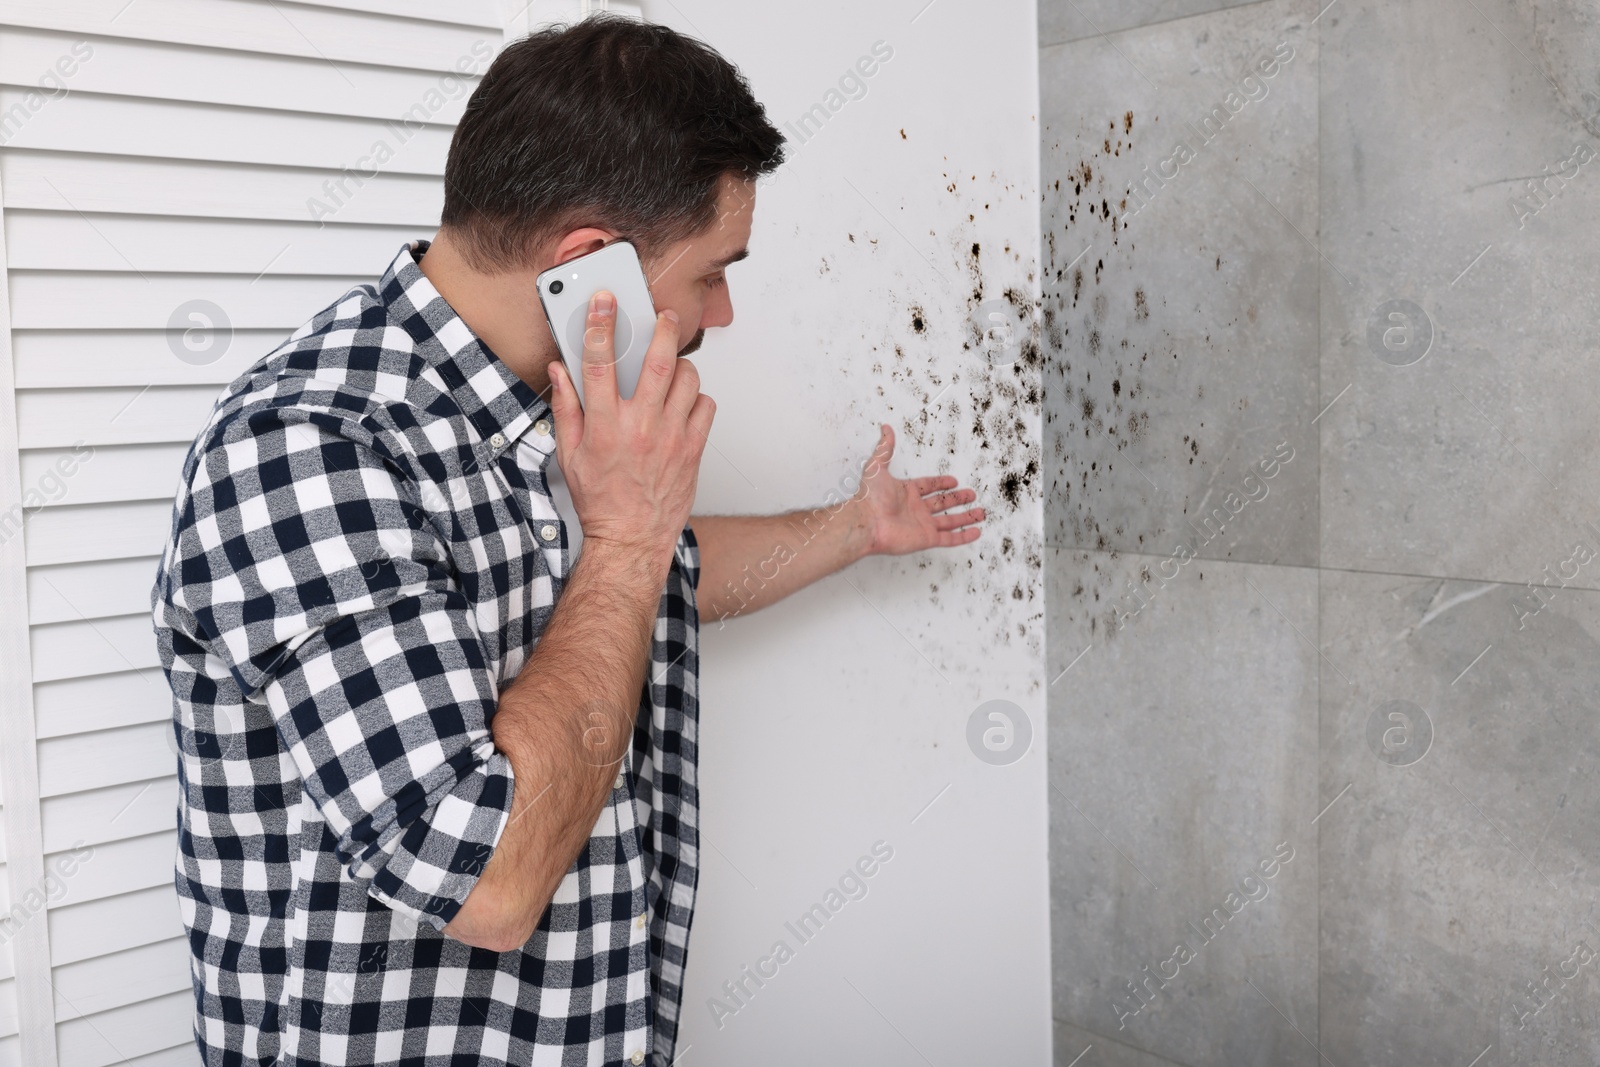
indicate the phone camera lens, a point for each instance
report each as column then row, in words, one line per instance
column 556, row 286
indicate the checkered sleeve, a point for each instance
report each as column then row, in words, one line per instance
column 313, row 563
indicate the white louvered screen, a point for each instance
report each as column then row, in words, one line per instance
column 181, row 164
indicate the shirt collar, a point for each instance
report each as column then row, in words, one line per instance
column 499, row 405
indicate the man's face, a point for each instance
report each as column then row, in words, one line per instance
column 690, row 277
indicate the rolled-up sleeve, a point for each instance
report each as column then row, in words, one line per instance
column 385, row 713
column 331, row 595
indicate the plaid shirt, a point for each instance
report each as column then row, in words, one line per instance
column 364, row 552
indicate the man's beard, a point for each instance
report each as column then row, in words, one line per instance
column 699, row 335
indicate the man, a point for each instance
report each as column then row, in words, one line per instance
column 438, row 779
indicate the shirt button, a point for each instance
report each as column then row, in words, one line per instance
column 639, row 922
column 497, row 441
column 618, row 783
column 636, row 1059
column 542, row 427
column 548, row 532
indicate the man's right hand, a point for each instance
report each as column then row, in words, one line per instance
column 631, row 465
column 567, row 720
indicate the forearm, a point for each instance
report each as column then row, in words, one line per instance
column 565, row 724
column 750, row 561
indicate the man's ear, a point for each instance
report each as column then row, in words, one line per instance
column 580, row 243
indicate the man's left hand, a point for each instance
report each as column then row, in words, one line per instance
column 911, row 514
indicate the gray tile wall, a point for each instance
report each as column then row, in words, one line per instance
column 1320, row 293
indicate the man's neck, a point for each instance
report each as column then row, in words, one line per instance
column 503, row 310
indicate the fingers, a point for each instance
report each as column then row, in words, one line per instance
column 600, row 395
column 881, row 453
column 660, row 361
column 932, row 483
column 955, row 522
column 566, row 412
column 959, row 537
column 685, row 388
column 945, row 501
column 700, row 419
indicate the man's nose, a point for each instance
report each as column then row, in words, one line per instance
column 720, row 311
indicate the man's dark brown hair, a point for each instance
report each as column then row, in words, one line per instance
column 610, row 122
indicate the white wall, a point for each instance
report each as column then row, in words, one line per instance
column 831, row 720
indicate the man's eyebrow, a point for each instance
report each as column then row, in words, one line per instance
column 743, row 253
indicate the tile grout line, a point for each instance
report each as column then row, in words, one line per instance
column 1316, row 743
column 1315, row 567
column 1148, row 25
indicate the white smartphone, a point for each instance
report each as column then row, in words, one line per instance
column 565, row 290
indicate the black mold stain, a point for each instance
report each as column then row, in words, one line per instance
column 976, row 416
column 1107, row 336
